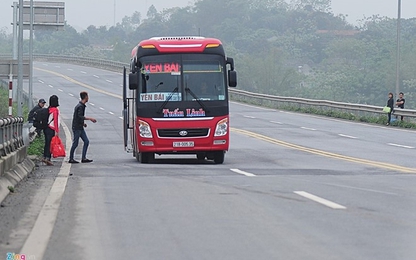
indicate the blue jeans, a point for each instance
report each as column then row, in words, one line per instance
column 84, row 137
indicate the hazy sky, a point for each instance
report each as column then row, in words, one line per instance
column 82, row 13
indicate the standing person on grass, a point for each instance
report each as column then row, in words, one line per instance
column 400, row 102
column 52, row 128
column 390, row 104
column 78, row 125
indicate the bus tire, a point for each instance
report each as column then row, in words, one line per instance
column 146, row 157
column 219, row 157
column 200, row 156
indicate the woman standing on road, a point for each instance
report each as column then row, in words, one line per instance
column 52, row 129
column 390, row 104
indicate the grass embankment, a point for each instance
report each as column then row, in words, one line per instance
column 36, row 147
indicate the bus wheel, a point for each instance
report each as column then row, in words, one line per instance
column 219, row 157
column 200, row 156
column 146, row 157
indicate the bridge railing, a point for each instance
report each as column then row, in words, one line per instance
column 11, row 135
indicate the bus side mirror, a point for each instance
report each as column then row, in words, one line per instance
column 232, row 78
column 133, row 81
column 230, row 61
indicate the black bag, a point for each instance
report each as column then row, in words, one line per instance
column 41, row 118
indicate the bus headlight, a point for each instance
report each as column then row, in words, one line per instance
column 222, row 127
column 144, row 130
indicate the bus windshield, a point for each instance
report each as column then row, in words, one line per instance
column 197, row 77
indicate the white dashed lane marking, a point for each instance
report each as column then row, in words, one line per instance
column 275, row 122
column 401, row 146
column 71, row 94
column 50, row 86
column 111, row 113
column 252, row 117
column 348, row 136
column 41, row 81
column 307, row 128
column 322, row 201
column 96, row 76
column 243, row 172
column 102, row 108
column 109, row 81
column 83, row 72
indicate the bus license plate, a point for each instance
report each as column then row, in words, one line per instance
column 183, row 144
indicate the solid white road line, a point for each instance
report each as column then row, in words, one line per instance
column 243, row 172
column 40, row 235
column 320, row 200
column 348, row 136
column 402, row 146
column 307, row 128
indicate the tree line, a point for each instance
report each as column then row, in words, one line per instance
column 298, row 49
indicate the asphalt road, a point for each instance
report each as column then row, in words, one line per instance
column 292, row 186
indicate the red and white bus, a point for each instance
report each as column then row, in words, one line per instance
column 177, row 98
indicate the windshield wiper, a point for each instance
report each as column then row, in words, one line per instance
column 160, row 83
column 167, row 100
column 197, row 99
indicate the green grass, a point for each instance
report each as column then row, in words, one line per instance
column 4, row 108
column 36, row 147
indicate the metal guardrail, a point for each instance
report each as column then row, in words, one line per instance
column 236, row 94
column 85, row 61
column 241, row 95
column 11, row 137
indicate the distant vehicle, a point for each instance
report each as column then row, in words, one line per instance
column 177, row 98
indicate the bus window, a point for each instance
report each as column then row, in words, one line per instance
column 205, row 79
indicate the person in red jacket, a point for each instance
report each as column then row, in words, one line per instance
column 52, row 129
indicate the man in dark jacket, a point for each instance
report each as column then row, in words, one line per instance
column 32, row 112
column 78, row 125
column 400, row 102
column 31, row 117
column 390, row 104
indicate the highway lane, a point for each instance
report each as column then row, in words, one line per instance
column 378, row 143
column 258, row 205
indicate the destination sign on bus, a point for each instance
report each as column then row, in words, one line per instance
column 175, row 68
column 162, row 67
column 159, row 97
